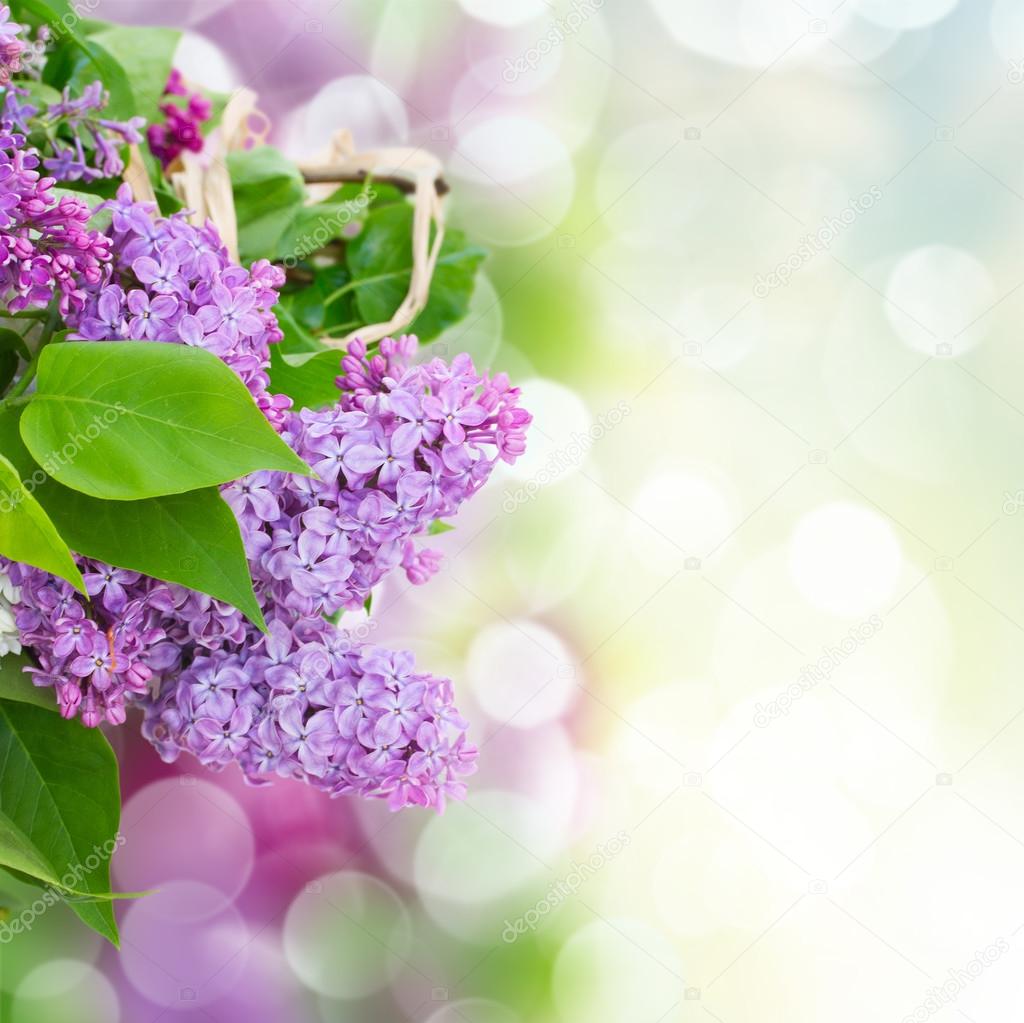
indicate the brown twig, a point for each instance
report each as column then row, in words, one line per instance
column 404, row 185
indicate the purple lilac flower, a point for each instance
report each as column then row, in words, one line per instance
column 403, row 446
column 11, row 47
column 46, row 250
column 175, row 282
column 83, row 145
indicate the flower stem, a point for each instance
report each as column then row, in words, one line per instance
column 53, row 317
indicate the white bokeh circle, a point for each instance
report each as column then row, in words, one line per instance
column 906, row 14
column 202, row 61
column 555, row 451
column 65, row 991
column 184, row 829
column 347, row 935
column 184, row 945
column 485, row 852
column 522, row 674
column 362, row 104
column 749, row 32
column 845, row 558
column 515, row 177
column 505, row 14
column 943, row 289
column 687, row 507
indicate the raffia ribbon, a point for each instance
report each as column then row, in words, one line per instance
column 203, row 184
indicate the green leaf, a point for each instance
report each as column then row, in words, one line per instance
column 315, row 226
column 323, row 305
column 439, row 526
column 310, row 383
column 12, row 341
column 130, row 420
column 297, row 339
column 8, row 368
column 190, row 539
column 65, row 23
column 26, row 532
column 380, row 261
column 146, row 54
column 16, row 685
column 269, row 194
column 39, row 93
column 59, row 807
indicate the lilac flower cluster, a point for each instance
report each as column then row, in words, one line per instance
column 389, row 463
column 303, row 702
column 307, row 702
column 174, row 282
column 409, row 444
column 403, row 446
column 95, row 656
column 84, row 146
column 11, row 46
column 182, row 129
column 89, row 137
column 46, row 250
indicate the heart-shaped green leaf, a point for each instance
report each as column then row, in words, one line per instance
column 130, row 420
column 26, row 532
column 59, row 807
column 191, row 539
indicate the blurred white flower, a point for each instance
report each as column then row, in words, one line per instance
column 9, row 595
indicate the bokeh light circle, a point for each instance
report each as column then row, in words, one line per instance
column 184, row 829
column 503, row 13
column 474, row 1010
column 372, row 112
column 936, row 293
column 907, row 14
column 845, row 557
column 560, row 419
column 184, row 945
column 202, row 61
column 606, row 974
column 522, row 674
column 347, row 935
column 485, row 852
column 687, row 507
column 65, row 991
column 515, row 179
column 746, row 32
